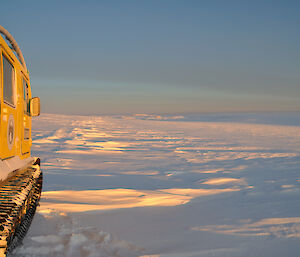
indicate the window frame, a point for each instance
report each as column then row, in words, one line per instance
column 25, row 101
column 10, row 60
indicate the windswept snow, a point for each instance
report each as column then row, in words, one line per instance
column 277, row 227
column 107, row 199
column 150, row 185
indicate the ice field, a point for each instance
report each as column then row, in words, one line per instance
column 167, row 186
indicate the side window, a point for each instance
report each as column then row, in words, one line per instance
column 8, row 81
column 25, row 96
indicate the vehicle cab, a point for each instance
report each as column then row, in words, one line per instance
column 16, row 109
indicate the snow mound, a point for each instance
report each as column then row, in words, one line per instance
column 59, row 235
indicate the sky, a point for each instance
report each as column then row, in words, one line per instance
column 168, row 56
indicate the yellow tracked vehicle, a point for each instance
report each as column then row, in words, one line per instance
column 20, row 174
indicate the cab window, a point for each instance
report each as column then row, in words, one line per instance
column 8, row 81
column 25, row 96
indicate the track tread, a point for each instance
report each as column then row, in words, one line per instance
column 19, row 198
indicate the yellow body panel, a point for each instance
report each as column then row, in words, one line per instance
column 15, row 121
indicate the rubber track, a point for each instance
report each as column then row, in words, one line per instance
column 19, row 197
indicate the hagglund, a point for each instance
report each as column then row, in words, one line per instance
column 20, row 174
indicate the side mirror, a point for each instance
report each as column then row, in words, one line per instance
column 35, row 106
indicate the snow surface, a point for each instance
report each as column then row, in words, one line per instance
column 162, row 186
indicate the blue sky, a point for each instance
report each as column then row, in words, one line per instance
column 167, row 56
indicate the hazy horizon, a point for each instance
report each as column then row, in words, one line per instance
column 103, row 57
